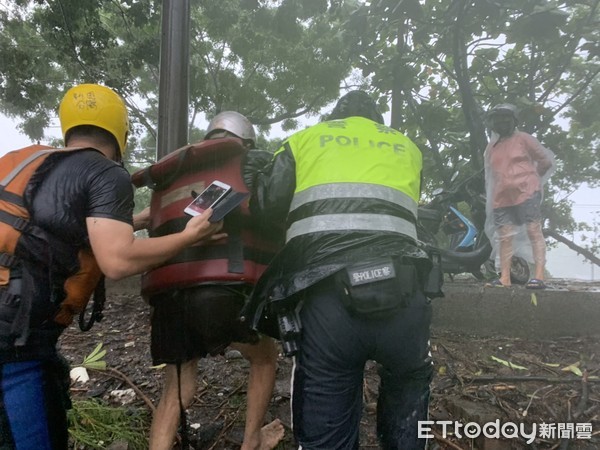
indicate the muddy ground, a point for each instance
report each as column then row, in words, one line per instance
column 552, row 382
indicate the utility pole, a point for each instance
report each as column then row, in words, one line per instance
column 594, row 242
column 173, row 89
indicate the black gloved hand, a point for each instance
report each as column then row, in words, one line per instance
column 254, row 162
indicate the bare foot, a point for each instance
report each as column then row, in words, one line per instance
column 271, row 434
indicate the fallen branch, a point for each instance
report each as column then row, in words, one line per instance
column 531, row 399
column 526, row 378
column 585, row 395
column 116, row 372
column 231, row 394
column 225, row 429
column 438, row 437
column 449, row 366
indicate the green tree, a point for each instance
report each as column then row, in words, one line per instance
column 437, row 64
column 272, row 62
column 444, row 63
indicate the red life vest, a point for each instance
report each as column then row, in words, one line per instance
column 240, row 258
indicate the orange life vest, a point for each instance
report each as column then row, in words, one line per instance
column 16, row 170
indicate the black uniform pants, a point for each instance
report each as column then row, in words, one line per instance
column 328, row 372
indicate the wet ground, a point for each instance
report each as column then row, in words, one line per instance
column 477, row 379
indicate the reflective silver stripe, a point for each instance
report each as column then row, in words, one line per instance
column 349, row 222
column 8, row 178
column 353, row 190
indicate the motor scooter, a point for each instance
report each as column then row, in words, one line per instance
column 460, row 240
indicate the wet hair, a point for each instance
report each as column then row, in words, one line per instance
column 100, row 135
column 356, row 103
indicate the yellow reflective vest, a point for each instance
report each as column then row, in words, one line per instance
column 353, row 175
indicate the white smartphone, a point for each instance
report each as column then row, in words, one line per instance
column 208, row 198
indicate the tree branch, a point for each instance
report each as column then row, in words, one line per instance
column 527, row 378
column 581, row 88
column 477, row 140
column 572, row 245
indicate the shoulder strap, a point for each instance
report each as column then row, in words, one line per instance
column 98, row 306
column 189, row 158
column 16, row 170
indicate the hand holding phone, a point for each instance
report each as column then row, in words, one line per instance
column 201, row 229
column 208, row 198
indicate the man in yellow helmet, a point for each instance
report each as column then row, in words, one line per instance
column 348, row 285
column 76, row 199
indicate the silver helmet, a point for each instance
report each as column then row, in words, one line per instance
column 234, row 123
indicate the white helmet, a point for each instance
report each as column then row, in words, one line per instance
column 505, row 108
column 234, row 123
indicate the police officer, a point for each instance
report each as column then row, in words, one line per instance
column 76, row 200
column 348, row 285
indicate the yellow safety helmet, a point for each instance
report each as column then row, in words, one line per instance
column 93, row 104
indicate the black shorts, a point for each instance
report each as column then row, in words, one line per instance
column 526, row 212
column 196, row 322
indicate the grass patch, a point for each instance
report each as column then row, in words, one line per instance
column 95, row 425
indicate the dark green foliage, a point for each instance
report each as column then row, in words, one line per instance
column 94, row 425
column 437, row 66
column 270, row 63
column 444, row 63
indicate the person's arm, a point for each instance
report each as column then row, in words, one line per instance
column 541, row 155
column 254, row 161
column 274, row 188
column 119, row 254
column 141, row 220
